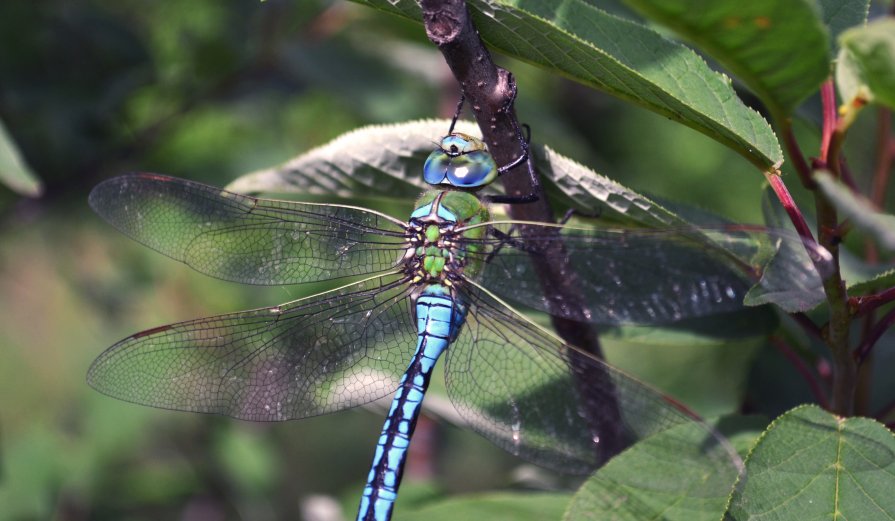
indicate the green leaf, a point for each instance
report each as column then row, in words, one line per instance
column 787, row 282
column 493, row 507
column 383, row 160
column 866, row 63
column 623, row 58
column 703, row 362
column 387, row 161
column 778, row 49
column 810, row 464
column 804, row 291
column 873, row 284
column 14, row 173
column 839, row 15
column 879, row 225
column 678, row 474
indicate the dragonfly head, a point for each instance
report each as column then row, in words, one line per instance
column 461, row 161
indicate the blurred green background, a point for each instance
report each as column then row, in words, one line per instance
column 209, row 90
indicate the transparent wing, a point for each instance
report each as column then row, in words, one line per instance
column 313, row 356
column 539, row 399
column 245, row 239
column 645, row 276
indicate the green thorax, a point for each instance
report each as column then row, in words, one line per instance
column 440, row 253
column 465, row 207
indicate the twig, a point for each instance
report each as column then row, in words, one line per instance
column 866, row 303
column 490, row 91
column 837, row 329
column 828, row 101
column 885, row 155
column 816, row 388
column 874, row 335
column 795, row 215
column 847, row 176
column 795, row 154
column 883, row 413
column 808, row 325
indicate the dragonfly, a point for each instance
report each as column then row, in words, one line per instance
column 441, row 283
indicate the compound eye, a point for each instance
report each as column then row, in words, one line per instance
column 471, row 170
column 462, row 161
column 436, row 167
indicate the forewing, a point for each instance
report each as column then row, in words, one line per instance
column 246, row 239
column 312, row 356
column 539, row 399
column 642, row 276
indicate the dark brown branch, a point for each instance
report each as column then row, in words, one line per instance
column 490, row 91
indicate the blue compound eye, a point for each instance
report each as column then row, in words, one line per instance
column 436, row 167
column 461, row 161
column 472, row 170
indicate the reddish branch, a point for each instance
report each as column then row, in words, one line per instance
column 816, row 388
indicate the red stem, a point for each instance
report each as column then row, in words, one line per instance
column 816, row 388
column 795, row 153
column 885, row 154
column 828, row 100
column 795, row 215
column 885, row 411
column 867, row 303
column 847, row 176
column 808, row 325
column 874, row 335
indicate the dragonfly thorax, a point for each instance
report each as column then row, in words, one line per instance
column 437, row 252
column 434, row 256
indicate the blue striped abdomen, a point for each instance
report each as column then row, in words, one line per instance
column 439, row 318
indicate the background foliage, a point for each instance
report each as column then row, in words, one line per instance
column 209, row 91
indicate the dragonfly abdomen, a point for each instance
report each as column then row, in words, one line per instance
column 439, row 317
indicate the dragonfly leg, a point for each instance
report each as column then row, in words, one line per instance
column 526, row 158
column 504, row 238
column 457, row 113
column 575, row 212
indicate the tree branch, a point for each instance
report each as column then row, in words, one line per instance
column 490, row 91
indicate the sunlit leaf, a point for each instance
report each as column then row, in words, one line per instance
column 493, row 507
column 387, row 160
column 623, row 58
column 866, row 63
column 679, row 474
column 810, row 464
column 778, row 49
